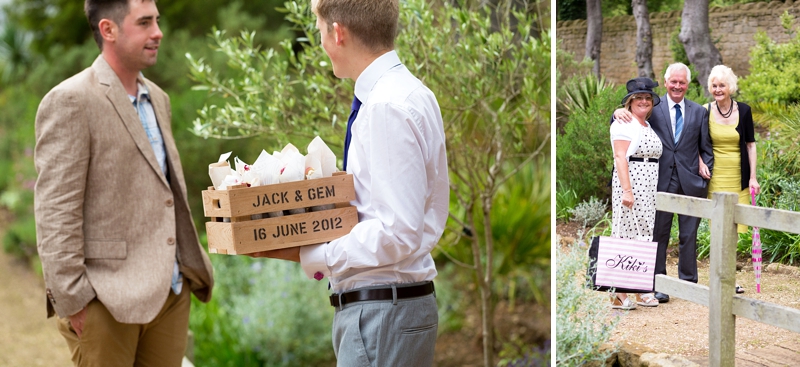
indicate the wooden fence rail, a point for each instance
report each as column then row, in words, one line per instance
column 720, row 298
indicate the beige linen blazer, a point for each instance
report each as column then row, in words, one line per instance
column 108, row 222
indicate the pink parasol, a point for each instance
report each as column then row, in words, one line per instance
column 756, row 248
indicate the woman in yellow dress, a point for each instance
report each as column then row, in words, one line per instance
column 733, row 138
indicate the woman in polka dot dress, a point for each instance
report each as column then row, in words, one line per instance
column 636, row 152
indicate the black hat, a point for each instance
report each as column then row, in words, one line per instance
column 642, row 85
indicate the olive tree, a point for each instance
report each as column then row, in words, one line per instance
column 488, row 65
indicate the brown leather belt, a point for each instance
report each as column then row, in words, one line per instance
column 381, row 294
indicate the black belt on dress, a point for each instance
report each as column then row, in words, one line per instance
column 381, row 294
column 637, row 159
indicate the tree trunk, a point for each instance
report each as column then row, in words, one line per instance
column 594, row 33
column 486, row 296
column 696, row 38
column 644, row 39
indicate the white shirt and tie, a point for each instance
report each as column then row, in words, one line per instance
column 399, row 165
column 673, row 113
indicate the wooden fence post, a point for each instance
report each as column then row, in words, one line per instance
column 722, row 278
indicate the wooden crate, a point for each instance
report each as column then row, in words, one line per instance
column 233, row 231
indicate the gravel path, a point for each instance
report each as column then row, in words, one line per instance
column 28, row 338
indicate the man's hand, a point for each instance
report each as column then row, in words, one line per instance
column 291, row 254
column 77, row 320
column 623, row 115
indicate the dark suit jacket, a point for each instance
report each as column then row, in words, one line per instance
column 694, row 141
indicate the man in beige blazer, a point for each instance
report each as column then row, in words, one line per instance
column 119, row 250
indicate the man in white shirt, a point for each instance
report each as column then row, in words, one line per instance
column 381, row 273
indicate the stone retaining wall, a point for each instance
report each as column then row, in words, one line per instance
column 732, row 27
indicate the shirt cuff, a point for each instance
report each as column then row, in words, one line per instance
column 313, row 260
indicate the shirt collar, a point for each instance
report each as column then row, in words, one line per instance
column 373, row 72
column 673, row 103
column 141, row 89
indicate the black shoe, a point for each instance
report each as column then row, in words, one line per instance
column 661, row 297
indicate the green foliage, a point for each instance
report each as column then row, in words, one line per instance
column 577, row 94
column 571, row 10
column 566, row 200
column 521, row 229
column 14, row 56
column 583, row 151
column 583, row 323
column 774, row 71
column 264, row 312
column 590, row 212
column 62, row 23
column 20, row 238
column 531, row 356
column 676, row 47
column 787, row 22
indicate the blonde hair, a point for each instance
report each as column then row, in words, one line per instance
column 629, row 101
column 725, row 75
column 372, row 23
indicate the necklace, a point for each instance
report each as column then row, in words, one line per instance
column 730, row 111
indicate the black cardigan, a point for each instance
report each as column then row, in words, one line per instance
column 746, row 135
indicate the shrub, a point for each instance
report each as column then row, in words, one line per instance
column 583, row 151
column 774, row 71
column 589, row 212
column 566, row 200
column 264, row 312
column 583, row 323
column 533, row 357
column 577, row 94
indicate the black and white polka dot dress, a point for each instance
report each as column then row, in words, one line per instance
column 644, row 182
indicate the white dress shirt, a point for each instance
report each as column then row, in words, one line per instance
column 672, row 111
column 398, row 161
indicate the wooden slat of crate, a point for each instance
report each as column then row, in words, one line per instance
column 261, row 234
column 237, row 202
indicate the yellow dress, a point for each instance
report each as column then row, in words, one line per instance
column 727, row 176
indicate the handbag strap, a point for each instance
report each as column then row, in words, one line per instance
column 614, row 218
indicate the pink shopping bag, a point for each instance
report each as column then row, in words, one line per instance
column 626, row 264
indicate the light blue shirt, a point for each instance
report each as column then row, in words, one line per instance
column 148, row 118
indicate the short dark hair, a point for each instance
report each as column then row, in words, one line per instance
column 373, row 23
column 97, row 10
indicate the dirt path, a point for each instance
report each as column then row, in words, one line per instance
column 27, row 337
column 681, row 327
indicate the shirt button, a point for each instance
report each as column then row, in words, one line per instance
column 169, row 202
column 170, row 241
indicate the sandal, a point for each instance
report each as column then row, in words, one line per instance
column 619, row 304
column 646, row 299
column 739, row 289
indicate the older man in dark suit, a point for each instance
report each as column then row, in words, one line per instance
column 682, row 126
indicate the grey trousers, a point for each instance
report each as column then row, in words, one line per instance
column 380, row 333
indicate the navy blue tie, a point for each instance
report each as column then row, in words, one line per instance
column 353, row 113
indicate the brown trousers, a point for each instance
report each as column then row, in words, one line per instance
column 106, row 342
